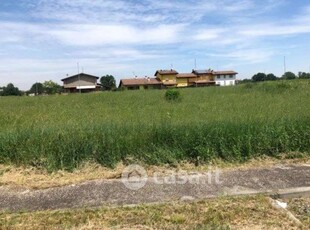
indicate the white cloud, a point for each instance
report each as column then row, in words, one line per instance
column 246, row 55
column 91, row 34
column 140, row 35
column 95, row 35
column 236, row 6
column 121, row 54
column 274, row 30
column 208, row 34
column 12, row 32
column 147, row 11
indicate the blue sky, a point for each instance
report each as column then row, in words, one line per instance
column 45, row 39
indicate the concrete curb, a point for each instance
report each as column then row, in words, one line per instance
column 292, row 193
column 278, row 182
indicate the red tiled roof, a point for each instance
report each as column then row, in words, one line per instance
column 140, row 81
column 166, row 72
column 228, row 72
column 186, row 75
column 202, row 72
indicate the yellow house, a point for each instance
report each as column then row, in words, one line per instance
column 167, row 77
column 185, row 79
column 171, row 78
column 204, row 78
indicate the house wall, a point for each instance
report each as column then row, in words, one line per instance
column 182, row 82
column 167, row 77
column 80, row 81
column 225, row 80
column 207, row 77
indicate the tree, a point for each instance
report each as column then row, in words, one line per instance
column 303, row 75
column 10, row 90
column 271, row 77
column 108, row 82
column 259, row 77
column 289, row 76
column 37, row 88
column 245, row 81
column 51, row 87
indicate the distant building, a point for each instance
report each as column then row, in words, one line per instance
column 204, row 78
column 140, row 83
column 225, row 78
column 167, row 77
column 185, row 79
column 81, row 83
column 171, row 78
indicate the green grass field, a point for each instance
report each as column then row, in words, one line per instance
column 230, row 123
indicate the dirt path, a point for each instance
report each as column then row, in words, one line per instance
column 114, row 192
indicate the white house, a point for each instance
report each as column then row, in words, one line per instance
column 225, row 78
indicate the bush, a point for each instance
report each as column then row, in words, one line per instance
column 172, row 95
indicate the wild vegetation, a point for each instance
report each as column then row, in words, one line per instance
column 172, row 95
column 223, row 213
column 10, row 90
column 230, row 123
column 259, row 77
column 47, row 87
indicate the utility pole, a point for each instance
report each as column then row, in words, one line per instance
column 284, row 65
column 36, row 88
column 195, row 64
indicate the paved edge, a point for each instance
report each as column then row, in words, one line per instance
column 292, row 193
column 276, row 182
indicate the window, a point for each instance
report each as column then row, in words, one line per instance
column 218, row 76
column 224, row 76
column 231, row 76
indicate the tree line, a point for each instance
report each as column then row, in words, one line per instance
column 49, row 87
column 271, row 77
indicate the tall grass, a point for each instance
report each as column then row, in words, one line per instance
column 231, row 123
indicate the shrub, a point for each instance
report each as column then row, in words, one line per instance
column 172, row 95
